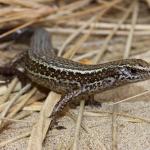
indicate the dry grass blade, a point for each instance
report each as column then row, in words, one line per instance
column 14, row 120
column 41, row 12
column 68, row 9
column 14, row 139
column 26, row 15
column 77, row 131
column 119, row 7
column 130, row 37
column 114, row 127
column 74, row 35
column 73, row 116
column 86, row 55
column 10, row 89
column 25, row 3
column 126, row 55
column 19, row 116
column 71, row 52
column 96, row 31
column 36, row 106
column 148, row 1
column 23, row 114
column 17, row 28
column 40, row 129
column 108, row 38
column 20, row 105
column 106, row 113
column 105, row 25
column 76, row 5
column 23, row 99
column 12, row 101
column 132, row 97
column 80, row 14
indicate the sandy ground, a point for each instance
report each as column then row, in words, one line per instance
column 132, row 133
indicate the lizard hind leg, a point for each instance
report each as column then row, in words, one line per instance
column 11, row 69
column 8, row 72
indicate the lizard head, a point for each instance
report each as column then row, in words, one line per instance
column 134, row 70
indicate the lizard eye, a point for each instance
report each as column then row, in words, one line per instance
column 133, row 71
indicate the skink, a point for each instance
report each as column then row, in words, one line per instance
column 72, row 79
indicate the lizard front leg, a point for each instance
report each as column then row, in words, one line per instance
column 67, row 98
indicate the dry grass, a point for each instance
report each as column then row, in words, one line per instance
column 86, row 31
